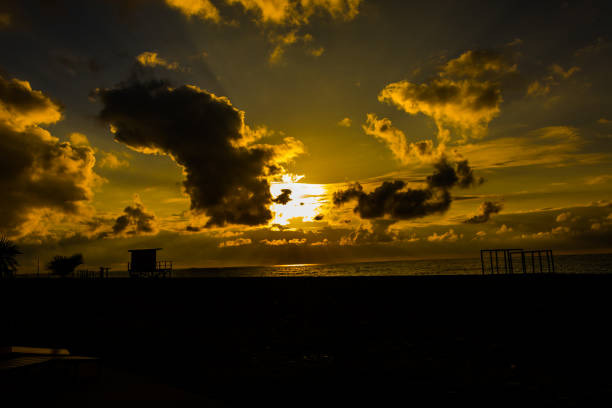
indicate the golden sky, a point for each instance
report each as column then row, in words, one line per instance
column 250, row 132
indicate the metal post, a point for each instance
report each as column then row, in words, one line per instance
column 532, row 263
column 523, row 261
column 491, row 261
column 540, row 256
column 505, row 261
column 510, row 262
column 552, row 261
column 496, row 262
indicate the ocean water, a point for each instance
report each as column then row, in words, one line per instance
column 593, row 263
column 570, row 264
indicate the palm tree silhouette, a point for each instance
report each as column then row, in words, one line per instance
column 8, row 261
column 64, row 265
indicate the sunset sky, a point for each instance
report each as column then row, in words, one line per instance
column 256, row 132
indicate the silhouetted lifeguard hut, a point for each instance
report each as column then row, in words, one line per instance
column 144, row 263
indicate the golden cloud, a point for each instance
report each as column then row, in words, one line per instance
column 200, row 8
column 345, row 122
column 466, row 105
column 281, row 19
column 152, row 59
column 383, row 130
column 298, row 12
column 111, row 160
column 22, row 107
column 449, row 236
column 235, row 243
column 45, row 181
column 476, row 63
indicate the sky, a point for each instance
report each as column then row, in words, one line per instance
column 263, row 132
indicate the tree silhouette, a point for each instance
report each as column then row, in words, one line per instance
column 64, row 265
column 8, row 262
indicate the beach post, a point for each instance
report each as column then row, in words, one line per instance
column 482, row 262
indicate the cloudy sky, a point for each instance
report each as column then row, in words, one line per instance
column 251, row 132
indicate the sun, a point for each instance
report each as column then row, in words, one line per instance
column 306, row 199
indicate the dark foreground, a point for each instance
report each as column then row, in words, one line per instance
column 495, row 340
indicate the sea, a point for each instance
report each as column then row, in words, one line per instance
column 568, row 264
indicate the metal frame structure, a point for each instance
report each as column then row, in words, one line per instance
column 508, row 256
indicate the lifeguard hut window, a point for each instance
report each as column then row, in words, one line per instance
column 143, row 260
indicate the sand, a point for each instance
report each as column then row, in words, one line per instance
column 495, row 340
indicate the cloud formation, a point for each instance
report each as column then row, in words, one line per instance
column 283, row 198
column 225, row 172
column 135, row 220
column 394, row 200
column 448, row 236
column 235, row 242
column 548, row 146
column 297, row 12
column 203, row 9
column 42, row 177
column 111, row 161
column 478, row 63
column 345, row 122
column 465, row 95
column 564, row 216
column 406, row 152
column 152, row 59
column 377, row 232
column 486, row 209
column 542, row 87
column 446, row 175
column 22, row 107
column 280, row 19
column 279, row 242
column 466, row 105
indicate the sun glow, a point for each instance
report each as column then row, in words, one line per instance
column 306, row 199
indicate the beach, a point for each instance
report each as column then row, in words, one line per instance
column 498, row 340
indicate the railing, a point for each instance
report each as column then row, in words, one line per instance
column 102, row 273
column 163, row 269
column 545, row 261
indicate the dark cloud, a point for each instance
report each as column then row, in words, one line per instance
column 135, row 220
column 392, row 199
column 225, row 174
column 39, row 172
column 389, row 199
column 283, row 198
column 446, row 175
column 486, row 209
column 319, row 217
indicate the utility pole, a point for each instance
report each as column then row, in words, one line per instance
column 37, row 266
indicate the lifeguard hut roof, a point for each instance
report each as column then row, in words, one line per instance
column 141, row 250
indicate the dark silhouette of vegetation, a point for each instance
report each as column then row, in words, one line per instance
column 8, row 261
column 64, row 265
